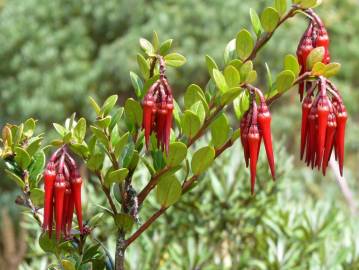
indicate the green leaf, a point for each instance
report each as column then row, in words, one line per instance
column 146, row 46
column 124, row 222
column 270, row 19
column 80, row 130
column 281, row 6
column 165, row 46
column 100, row 135
column 220, row 81
column 193, row 94
column 37, row 196
column 199, row 110
column 15, row 178
column 285, row 80
column 241, row 104
column 95, row 161
column 60, row 129
column 34, row 145
column 231, row 95
column 137, row 84
column 332, row 69
column 245, row 69
column 81, row 150
column 29, row 127
column 68, row 265
column 175, row 59
column 168, row 190
column 133, row 112
column 244, row 44
column 104, row 123
column 211, row 64
column 144, row 66
column 155, row 41
column 22, row 157
column 318, row 69
column 120, row 144
column 176, row 154
column 251, row 77
column 202, row 159
column 108, row 105
column 316, row 55
column 291, row 63
column 95, row 106
column 190, row 123
column 256, row 22
column 116, row 176
column 232, row 76
column 37, row 165
column 220, row 130
column 48, row 244
column 229, row 51
column 308, row 3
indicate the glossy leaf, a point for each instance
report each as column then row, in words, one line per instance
column 202, row 159
column 270, row 19
column 175, row 59
column 168, row 190
column 176, row 154
column 285, row 80
column 316, row 55
column 244, row 44
column 190, row 123
column 220, row 130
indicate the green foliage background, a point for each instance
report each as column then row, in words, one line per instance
column 53, row 54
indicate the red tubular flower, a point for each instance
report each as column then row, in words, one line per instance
column 264, row 122
column 255, row 125
column 60, row 188
column 323, row 125
column 254, row 142
column 306, row 105
column 49, row 180
column 315, row 36
column 323, row 113
column 329, row 140
column 340, row 136
column 62, row 193
column 158, row 111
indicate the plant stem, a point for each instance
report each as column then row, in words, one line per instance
column 120, row 251
column 107, row 193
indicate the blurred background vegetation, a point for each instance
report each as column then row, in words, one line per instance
column 53, row 54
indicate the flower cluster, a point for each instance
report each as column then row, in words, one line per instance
column 158, row 109
column 255, row 126
column 62, row 193
column 323, row 125
column 315, row 36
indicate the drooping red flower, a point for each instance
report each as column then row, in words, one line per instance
column 323, row 125
column 62, row 185
column 255, row 126
column 158, row 110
